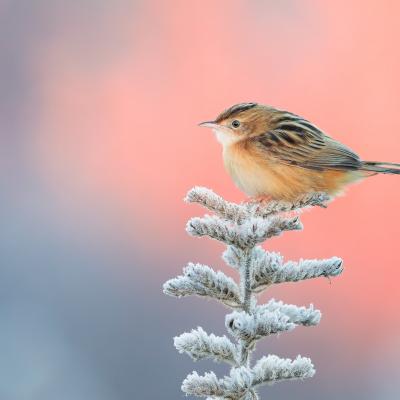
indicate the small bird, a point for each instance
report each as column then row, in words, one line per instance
column 275, row 154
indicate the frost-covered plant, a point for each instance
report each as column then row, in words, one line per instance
column 243, row 228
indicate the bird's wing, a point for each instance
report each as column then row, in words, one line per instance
column 295, row 141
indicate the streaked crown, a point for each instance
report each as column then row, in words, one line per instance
column 235, row 111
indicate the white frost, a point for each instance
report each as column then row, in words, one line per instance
column 243, row 227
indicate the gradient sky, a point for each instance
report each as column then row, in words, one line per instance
column 99, row 143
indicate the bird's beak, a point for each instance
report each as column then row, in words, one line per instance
column 209, row 124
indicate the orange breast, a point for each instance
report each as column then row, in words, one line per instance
column 260, row 175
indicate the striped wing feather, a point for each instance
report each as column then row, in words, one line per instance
column 295, row 141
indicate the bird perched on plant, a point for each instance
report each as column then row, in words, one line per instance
column 271, row 153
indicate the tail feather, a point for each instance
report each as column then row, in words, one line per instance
column 380, row 167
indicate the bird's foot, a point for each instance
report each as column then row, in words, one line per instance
column 255, row 204
column 258, row 200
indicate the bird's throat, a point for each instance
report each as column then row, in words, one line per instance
column 225, row 137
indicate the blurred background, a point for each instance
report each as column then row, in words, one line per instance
column 99, row 103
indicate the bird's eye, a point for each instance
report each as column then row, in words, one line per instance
column 235, row 123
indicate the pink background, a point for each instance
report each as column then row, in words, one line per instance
column 99, row 143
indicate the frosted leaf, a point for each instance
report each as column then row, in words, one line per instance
column 254, row 326
column 234, row 257
column 272, row 368
column 269, row 268
column 206, row 385
column 239, row 382
column 201, row 280
column 265, row 209
column 238, row 212
column 215, row 203
column 297, row 315
column 199, row 345
column 246, row 235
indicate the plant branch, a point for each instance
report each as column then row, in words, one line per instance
column 201, row 280
column 243, row 227
column 245, row 236
column 198, row 345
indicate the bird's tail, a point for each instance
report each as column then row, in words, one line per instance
column 380, row 167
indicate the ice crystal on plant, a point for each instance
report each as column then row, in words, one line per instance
column 243, row 227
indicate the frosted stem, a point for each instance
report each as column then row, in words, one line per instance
column 245, row 278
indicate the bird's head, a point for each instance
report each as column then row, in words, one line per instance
column 240, row 121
